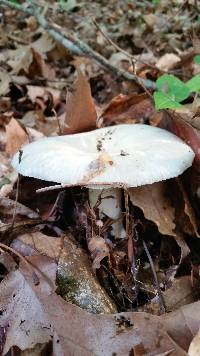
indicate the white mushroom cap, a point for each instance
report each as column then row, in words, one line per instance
column 122, row 155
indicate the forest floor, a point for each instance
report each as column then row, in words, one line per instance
column 68, row 285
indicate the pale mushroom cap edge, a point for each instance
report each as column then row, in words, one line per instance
column 122, row 155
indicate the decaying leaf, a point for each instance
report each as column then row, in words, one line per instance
column 128, row 109
column 98, row 249
column 78, row 281
column 185, row 131
column 16, row 137
column 80, row 109
column 167, row 61
column 156, row 205
column 35, row 314
column 5, row 80
column 24, row 317
column 39, row 67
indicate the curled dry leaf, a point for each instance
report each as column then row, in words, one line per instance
column 46, row 245
column 128, row 109
column 80, row 109
column 167, row 61
column 39, row 67
column 185, row 131
column 158, row 207
column 16, row 137
column 7, row 207
column 98, row 249
column 24, row 317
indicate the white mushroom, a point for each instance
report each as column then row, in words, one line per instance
column 108, row 158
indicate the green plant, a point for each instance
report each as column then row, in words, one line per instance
column 171, row 91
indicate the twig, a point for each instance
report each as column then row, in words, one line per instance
column 15, row 206
column 118, row 48
column 161, row 300
column 76, row 46
column 29, row 266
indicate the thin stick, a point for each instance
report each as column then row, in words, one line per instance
column 118, row 48
column 34, row 275
column 76, row 46
column 15, row 206
column 161, row 300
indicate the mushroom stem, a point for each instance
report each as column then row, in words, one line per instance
column 110, row 206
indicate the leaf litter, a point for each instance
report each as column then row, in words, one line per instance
column 65, row 243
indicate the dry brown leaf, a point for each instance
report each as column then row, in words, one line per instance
column 16, row 137
column 35, row 91
column 7, row 207
column 128, row 109
column 24, row 318
column 39, row 67
column 78, row 282
column 80, row 109
column 36, row 315
column 156, row 205
column 167, row 61
column 5, row 80
column 98, row 249
column 187, row 218
column 185, row 131
column 44, row 244
column 21, row 58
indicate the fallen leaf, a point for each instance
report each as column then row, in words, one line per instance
column 24, row 318
column 16, row 137
column 39, row 67
column 167, row 61
column 185, row 131
column 35, row 314
column 80, row 109
column 5, row 80
column 7, row 207
column 47, row 245
column 156, row 205
column 35, row 91
column 98, row 249
column 128, row 109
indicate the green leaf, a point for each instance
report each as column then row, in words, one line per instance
column 173, row 87
column 194, row 83
column 163, row 101
column 197, row 59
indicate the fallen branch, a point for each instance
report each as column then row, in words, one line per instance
column 76, row 46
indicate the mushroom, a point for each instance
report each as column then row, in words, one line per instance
column 105, row 160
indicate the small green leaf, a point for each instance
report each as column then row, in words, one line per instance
column 163, row 101
column 194, row 83
column 173, row 87
column 197, row 59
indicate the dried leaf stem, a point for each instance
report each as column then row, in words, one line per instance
column 161, row 300
column 76, row 46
